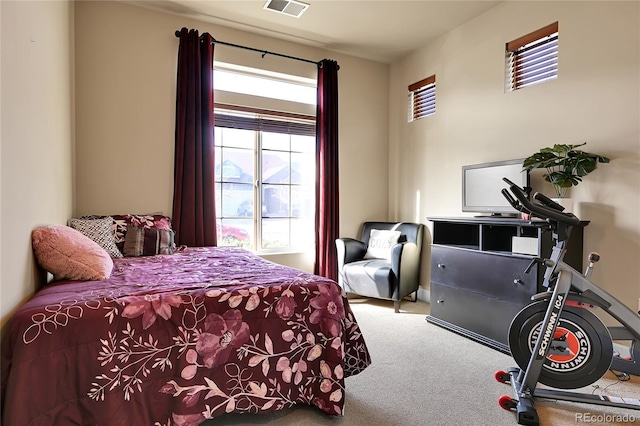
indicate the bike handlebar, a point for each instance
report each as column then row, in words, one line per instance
column 548, row 210
column 547, row 201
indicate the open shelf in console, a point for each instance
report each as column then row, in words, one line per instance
column 498, row 237
column 461, row 235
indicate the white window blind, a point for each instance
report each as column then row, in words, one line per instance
column 422, row 98
column 533, row 58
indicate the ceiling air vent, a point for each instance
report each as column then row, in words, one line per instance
column 288, row 7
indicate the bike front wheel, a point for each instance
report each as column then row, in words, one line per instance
column 580, row 351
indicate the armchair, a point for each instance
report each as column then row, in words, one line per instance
column 384, row 263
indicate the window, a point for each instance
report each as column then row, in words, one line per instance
column 422, row 98
column 533, row 58
column 265, row 159
column 248, row 81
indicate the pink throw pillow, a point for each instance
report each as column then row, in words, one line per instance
column 68, row 254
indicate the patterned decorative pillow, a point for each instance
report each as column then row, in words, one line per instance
column 119, row 228
column 149, row 221
column 141, row 241
column 122, row 221
column 68, row 254
column 380, row 244
column 99, row 230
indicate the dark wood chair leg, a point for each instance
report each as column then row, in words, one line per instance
column 414, row 296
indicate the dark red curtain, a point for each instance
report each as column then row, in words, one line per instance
column 194, row 213
column 327, row 212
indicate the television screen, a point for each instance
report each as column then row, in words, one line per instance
column 482, row 186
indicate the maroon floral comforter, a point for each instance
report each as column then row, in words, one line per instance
column 177, row 339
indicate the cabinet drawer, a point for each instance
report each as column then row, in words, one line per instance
column 484, row 315
column 491, row 274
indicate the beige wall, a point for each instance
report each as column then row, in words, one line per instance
column 125, row 93
column 594, row 99
column 36, row 163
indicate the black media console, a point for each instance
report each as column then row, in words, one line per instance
column 478, row 283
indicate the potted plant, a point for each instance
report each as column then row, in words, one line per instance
column 565, row 165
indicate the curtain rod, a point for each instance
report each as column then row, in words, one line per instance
column 264, row 52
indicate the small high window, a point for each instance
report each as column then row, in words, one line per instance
column 533, row 58
column 422, row 98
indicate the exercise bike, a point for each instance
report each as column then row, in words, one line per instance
column 556, row 341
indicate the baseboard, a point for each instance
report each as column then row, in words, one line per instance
column 424, row 295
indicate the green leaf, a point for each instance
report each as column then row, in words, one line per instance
column 565, row 165
column 540, row 160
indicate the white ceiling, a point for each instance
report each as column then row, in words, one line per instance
column 377, row 30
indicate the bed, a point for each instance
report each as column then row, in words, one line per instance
column 177, row 339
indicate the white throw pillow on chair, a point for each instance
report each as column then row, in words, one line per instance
column 380, row 243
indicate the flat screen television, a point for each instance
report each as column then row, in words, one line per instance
column 482, row 187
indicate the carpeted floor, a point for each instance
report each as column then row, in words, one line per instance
column 423, row 374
